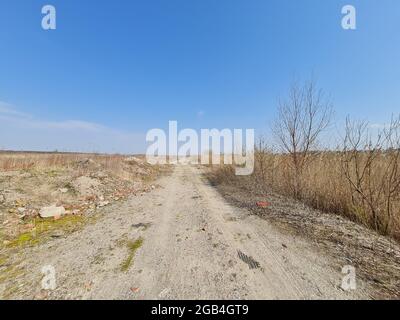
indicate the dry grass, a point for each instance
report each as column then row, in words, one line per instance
column 325, row 186
column 360, row 180
column 10, row 161
column 82, row 163
column 376, row 257
column 81, row 183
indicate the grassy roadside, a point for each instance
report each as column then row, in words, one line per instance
column 375, row 257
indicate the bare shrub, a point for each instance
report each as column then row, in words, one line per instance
column 264, row 164
column 359, row 180
column 371, row 166
column 302, row 117
column 326, row 186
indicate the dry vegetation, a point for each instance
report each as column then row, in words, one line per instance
column 12, row 161
column 359, row 180
column 354, row 188
column 80, row 183
column 376, row 257
column 334, row 182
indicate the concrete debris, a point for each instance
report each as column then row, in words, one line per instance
column 51, row 212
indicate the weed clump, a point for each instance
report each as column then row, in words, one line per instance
column 133, row 246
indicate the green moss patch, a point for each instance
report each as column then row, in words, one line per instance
column 43, row 228
column 133, row 246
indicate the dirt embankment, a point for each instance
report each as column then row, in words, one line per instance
column 37, row 188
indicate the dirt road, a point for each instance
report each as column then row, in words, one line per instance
column 195, row 246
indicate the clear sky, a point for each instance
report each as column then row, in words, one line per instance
column 114, row 69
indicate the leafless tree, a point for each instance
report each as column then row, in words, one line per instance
column 371, row 165
column 358, row 161
column 302, row 117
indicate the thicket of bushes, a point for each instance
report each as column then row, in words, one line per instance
column 359, row 179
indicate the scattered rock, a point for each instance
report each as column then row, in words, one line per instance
column 103, row 204
column 52, row 211
column 77, row 186
column 86, row 186
column 57, row 234
column 21, row 210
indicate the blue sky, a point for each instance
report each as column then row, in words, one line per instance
column 114, row 69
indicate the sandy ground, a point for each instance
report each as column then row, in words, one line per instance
column 195, row 246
